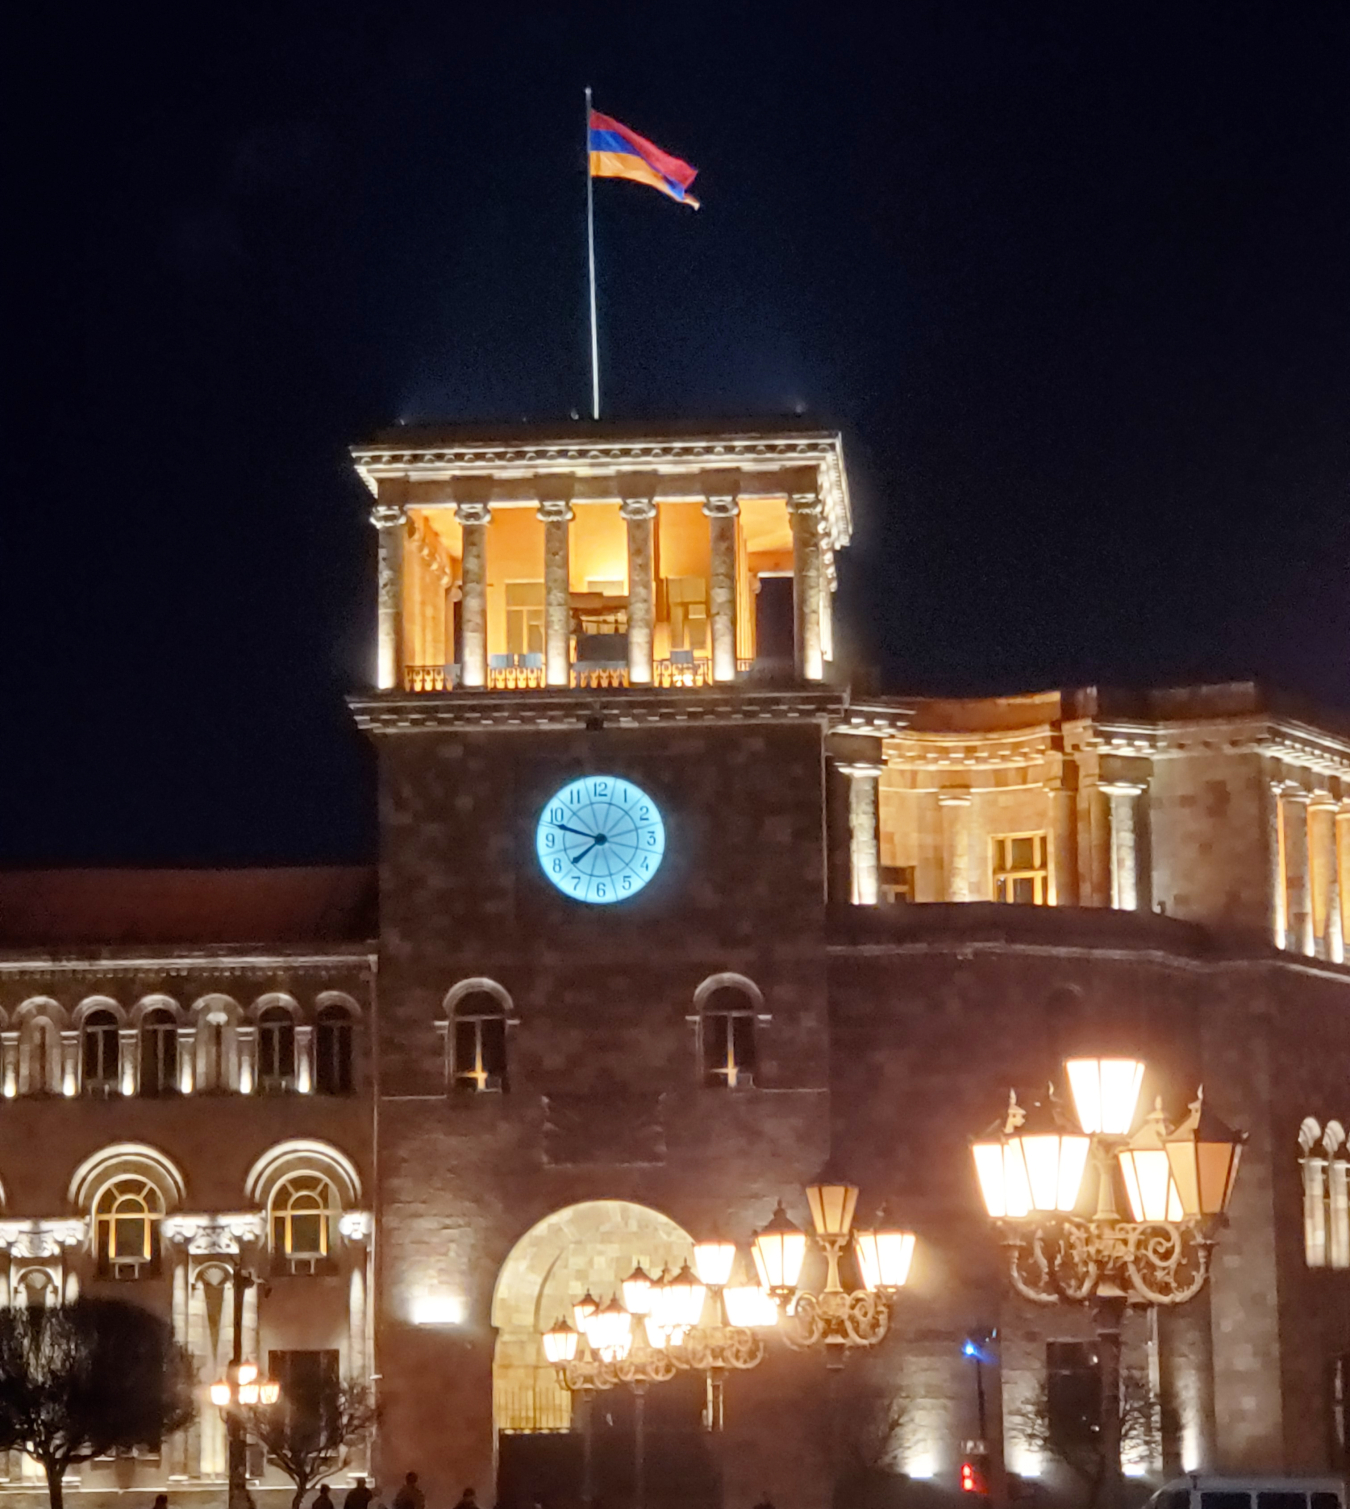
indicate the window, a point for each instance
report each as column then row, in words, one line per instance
column 303, row 1212
column 37, row 1289
column 479, row 1050
column 525, row 618
column 896, row 884
column 309, row 1385
column 276, row 1049
column 687, row 601
column 126, row 1228
column 100, row 1076
column 159, row 1052
column 727, row 1038
column 1020, row 873
column 1073, row 1387
column 333, row 1051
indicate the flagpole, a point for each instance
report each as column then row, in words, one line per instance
column 590, row 262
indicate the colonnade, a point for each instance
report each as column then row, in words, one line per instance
column 1307, row 844
column 812, row 566
column 1092, row 840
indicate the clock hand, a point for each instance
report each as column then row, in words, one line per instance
column 577, row 831
column 578, row 858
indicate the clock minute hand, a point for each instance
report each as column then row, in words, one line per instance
column 577, row 831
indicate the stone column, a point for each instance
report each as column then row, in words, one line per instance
column 127, row 1056
column 304, row 1059
column 474, row 519
column 1124, row 857
column 178, row 1445
column 556, row 514
column 863, row 783
column 1099, row 847
column 356, row 1316
column 639, row 516
column 827, row 585
column 722, row 511
column 187, row 1059
column 1324, row 883
column 1297, row 878
column 955, row 807
column 9, row 1064
column 246, row 1059
column 251, row 1341
column 70, row 1063
column 1064, row 841
column 1339, row 818
column 1279, row 903
column 805, row 511
column 390, row 520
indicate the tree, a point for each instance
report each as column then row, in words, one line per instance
column 81, row 1380
column 310, row 1445
column 1073, row 1436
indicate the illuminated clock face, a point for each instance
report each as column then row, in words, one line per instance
column 600, row 839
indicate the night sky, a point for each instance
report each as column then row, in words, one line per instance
column 1074, row 280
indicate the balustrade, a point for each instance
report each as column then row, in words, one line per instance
column 666, row 675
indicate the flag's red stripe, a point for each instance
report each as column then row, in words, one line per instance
column 663, row 162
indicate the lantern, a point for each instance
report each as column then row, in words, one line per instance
column 713, row 1260
column 246, row 1372
column 1147, row 1172
column 269, row 1391
column 584, row 1308
column 779, row 1250
column 637, row 1292
column 560, row 1344
column 685, row 1298
column 248, row 1393
column 884, row 1258
column 748, row 1306
column 1105, row 1093
column 1052, row 1162
column 611, row 1332
column 1204, row 1155
column 220, row 1394
column 832, row 1207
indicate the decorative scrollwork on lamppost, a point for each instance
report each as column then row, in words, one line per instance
column 833, row 1317
column 1036, row 1168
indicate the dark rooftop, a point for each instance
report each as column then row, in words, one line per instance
column 59, row 909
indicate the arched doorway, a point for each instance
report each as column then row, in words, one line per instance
column 594, row 1246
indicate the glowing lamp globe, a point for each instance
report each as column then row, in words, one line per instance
column 247, row 1372
column 560, row 1344
column 883, row 1258
column 611, row 1332
column 1147, row 1172
column 713, row 1262
column 779, row 1250
column 269, row 1392
column 685, row 1297
column 220, row 1394
column 582, row 1311
column 637, row 1292
column 832, row 1207
column 1105, row 1093
column 248, row 1393
column 748, row 1306
column 1204, row 1154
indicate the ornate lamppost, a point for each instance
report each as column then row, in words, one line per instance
column 1036, row 1166
column 240, row 1388
column 833, row 1317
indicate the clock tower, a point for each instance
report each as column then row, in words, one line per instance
column 602, row 705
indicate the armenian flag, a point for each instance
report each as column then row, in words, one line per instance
column 617, row 152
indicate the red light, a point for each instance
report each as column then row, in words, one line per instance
column 972, row 1479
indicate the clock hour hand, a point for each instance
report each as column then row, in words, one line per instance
column 577, row 858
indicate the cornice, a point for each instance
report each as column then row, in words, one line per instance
column 217, row 961
column 403, row 712
column 669, row 455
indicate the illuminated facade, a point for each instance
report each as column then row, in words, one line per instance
column 441, row 1103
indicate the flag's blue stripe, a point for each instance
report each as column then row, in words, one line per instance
column 611, row 141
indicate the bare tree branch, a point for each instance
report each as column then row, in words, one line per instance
column 309, row 1447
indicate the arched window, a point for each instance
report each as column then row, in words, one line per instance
column 159, row 1052
column 39, row 1057
column 478, row 1049
column 36, row 1289
column 100, row 1074
column 333, row 1051
column 276, row 1049
column 726, row 1026
column 304, row 1210
column 126, row 1228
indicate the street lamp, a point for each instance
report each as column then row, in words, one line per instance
column 834, row 1318
column 1036, row 1168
